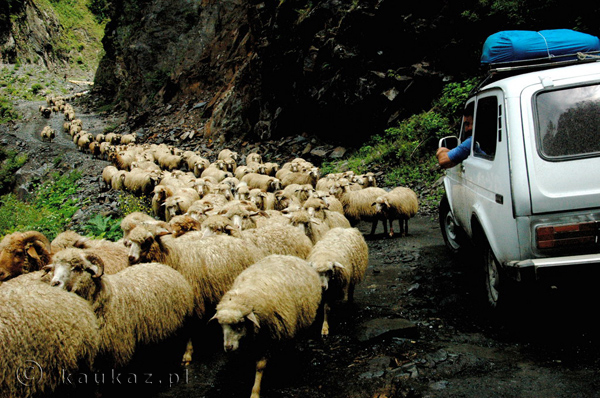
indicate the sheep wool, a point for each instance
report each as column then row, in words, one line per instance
column 42, row 329
column 341, row 258
column 142, row 304
column 272, row 300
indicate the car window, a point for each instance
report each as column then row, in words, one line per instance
column 486, row 127
column 568, row 122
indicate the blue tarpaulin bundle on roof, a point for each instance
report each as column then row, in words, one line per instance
column 522, row 45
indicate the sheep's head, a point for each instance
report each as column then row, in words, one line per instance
column 218, row 224
column 22, row 253
column 328, row 271
column 381, row 204
column 236, row 324
column 141, row 239
column 183, row 223
column 72, row 268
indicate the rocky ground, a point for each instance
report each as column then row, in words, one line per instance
column 416, row 328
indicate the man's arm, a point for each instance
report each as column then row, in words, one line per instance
column 443, row 159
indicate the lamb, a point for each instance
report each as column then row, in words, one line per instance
column 210, row 264
column 271, row 301
column 143, row 304
column 341, row 258
column 358, row 205
column 400, row 204
column 261, row 181
column 39, row 323
column 22, row 253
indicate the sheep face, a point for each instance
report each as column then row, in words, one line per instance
column 236, row 326
column 70, row 266
column 327, row 272
column 23, row 252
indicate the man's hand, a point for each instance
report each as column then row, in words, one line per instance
column 443, row 159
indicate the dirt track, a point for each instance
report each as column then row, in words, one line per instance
column 416, row 328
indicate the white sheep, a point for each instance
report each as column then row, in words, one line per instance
column 45, row 333
column 358, row 205
column 141, row 182
column 271, row 301
column 314, row 228
column 261, row 181
column 341, row 258
column 180, row 202
column 227, row 153
column 401, row 204
column 302, row 177
column 48, row 134
column 210, row 264
column 143, row 304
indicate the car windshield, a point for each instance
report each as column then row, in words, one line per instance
column 568, row 122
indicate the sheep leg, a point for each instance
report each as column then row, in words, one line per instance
column 373, row 227
column 187, row 355
column 325, row 327
column 261, row 364
column 391, row 227
column 350, row 294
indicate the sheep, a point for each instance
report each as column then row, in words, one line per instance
column 182, row 224
column 269, row 302
column 132, row 220
column 45, row 111
column 64, row 240
column 180, row 202
column 314, row 228
column 254, row 157
column 127, row 139
column 142, row 304
column 274, row 239
column 210, row 264
column 341, row 258
column 318, row 208
column 227, row 153
column 261, row 181
column 161, row 193
column 48, row 134
column 332, row 202
column 301, row 177
column 262, row 200
column 271, row 168
column 45, row 333
column 286, row 201
column 117, row 180
column 22, row 253
column 358, row 205
column 301, row 191
column 141, row 182
column 400, row 204
column 216, row 173
column 365, row 180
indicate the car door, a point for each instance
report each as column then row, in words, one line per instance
column 484, row 190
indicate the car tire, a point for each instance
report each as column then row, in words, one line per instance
column 452, row 233
column 492, row 280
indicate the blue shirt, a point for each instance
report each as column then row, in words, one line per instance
column 461, row 152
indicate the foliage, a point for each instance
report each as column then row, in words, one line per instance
column 104, row 227
column 7, row 112
column 49, row 211
column 11, row 162
column 100, row 9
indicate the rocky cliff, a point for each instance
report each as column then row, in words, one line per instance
column 341, row 70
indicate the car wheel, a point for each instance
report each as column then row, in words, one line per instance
column 492, row 277
column 451, row 232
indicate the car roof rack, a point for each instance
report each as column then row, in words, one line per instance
column 501, row 70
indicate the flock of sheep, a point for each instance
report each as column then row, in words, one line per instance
column 257, row 247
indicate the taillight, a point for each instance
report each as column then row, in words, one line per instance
column 568, row 235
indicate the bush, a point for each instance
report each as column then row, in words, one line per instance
column 48, row 211
column 11, row 162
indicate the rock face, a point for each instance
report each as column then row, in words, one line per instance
column 31, row 36
column 336, row 69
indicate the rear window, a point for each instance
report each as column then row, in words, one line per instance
column 568, row 122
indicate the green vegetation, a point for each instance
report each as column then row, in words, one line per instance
column 408, row 150
column 49, row 210
column 51, row 207
column 82, row 30
column 10, row 162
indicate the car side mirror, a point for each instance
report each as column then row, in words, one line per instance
column 449, row 142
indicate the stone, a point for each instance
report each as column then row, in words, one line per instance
column 338, row 152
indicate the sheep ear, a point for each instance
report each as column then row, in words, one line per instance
column 252, row 318
column 94, row 265
column 337, row 265
column 214, row 318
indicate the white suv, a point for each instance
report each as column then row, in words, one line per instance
column 529, row 199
